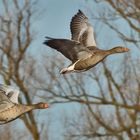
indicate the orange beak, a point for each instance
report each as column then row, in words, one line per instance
column 46, row 105
column 126, row 49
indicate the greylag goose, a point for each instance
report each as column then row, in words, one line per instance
column 10, row 109
column 81, row 49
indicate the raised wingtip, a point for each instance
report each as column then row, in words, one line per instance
column 80, row 11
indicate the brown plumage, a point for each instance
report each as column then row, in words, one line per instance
column 10, row 109
column 81, row 49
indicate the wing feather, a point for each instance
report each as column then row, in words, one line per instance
column 70, row 49
column 82, row 30
column 11, row 92
column 5, row 102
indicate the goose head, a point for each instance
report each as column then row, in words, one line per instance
column 41, row 105
column 119, row 49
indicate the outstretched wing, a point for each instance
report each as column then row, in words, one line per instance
column 81, row 30
column 5, row 102
column 71, row 49
column 11, row 92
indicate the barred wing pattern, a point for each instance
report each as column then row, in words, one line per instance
column 81, row 30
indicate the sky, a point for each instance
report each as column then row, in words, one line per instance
column 55, row 18
column 54, row 21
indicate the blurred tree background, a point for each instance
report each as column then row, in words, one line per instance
column 106, row 98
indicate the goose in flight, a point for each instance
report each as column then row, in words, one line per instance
column 81, row 49
column 10, row 109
